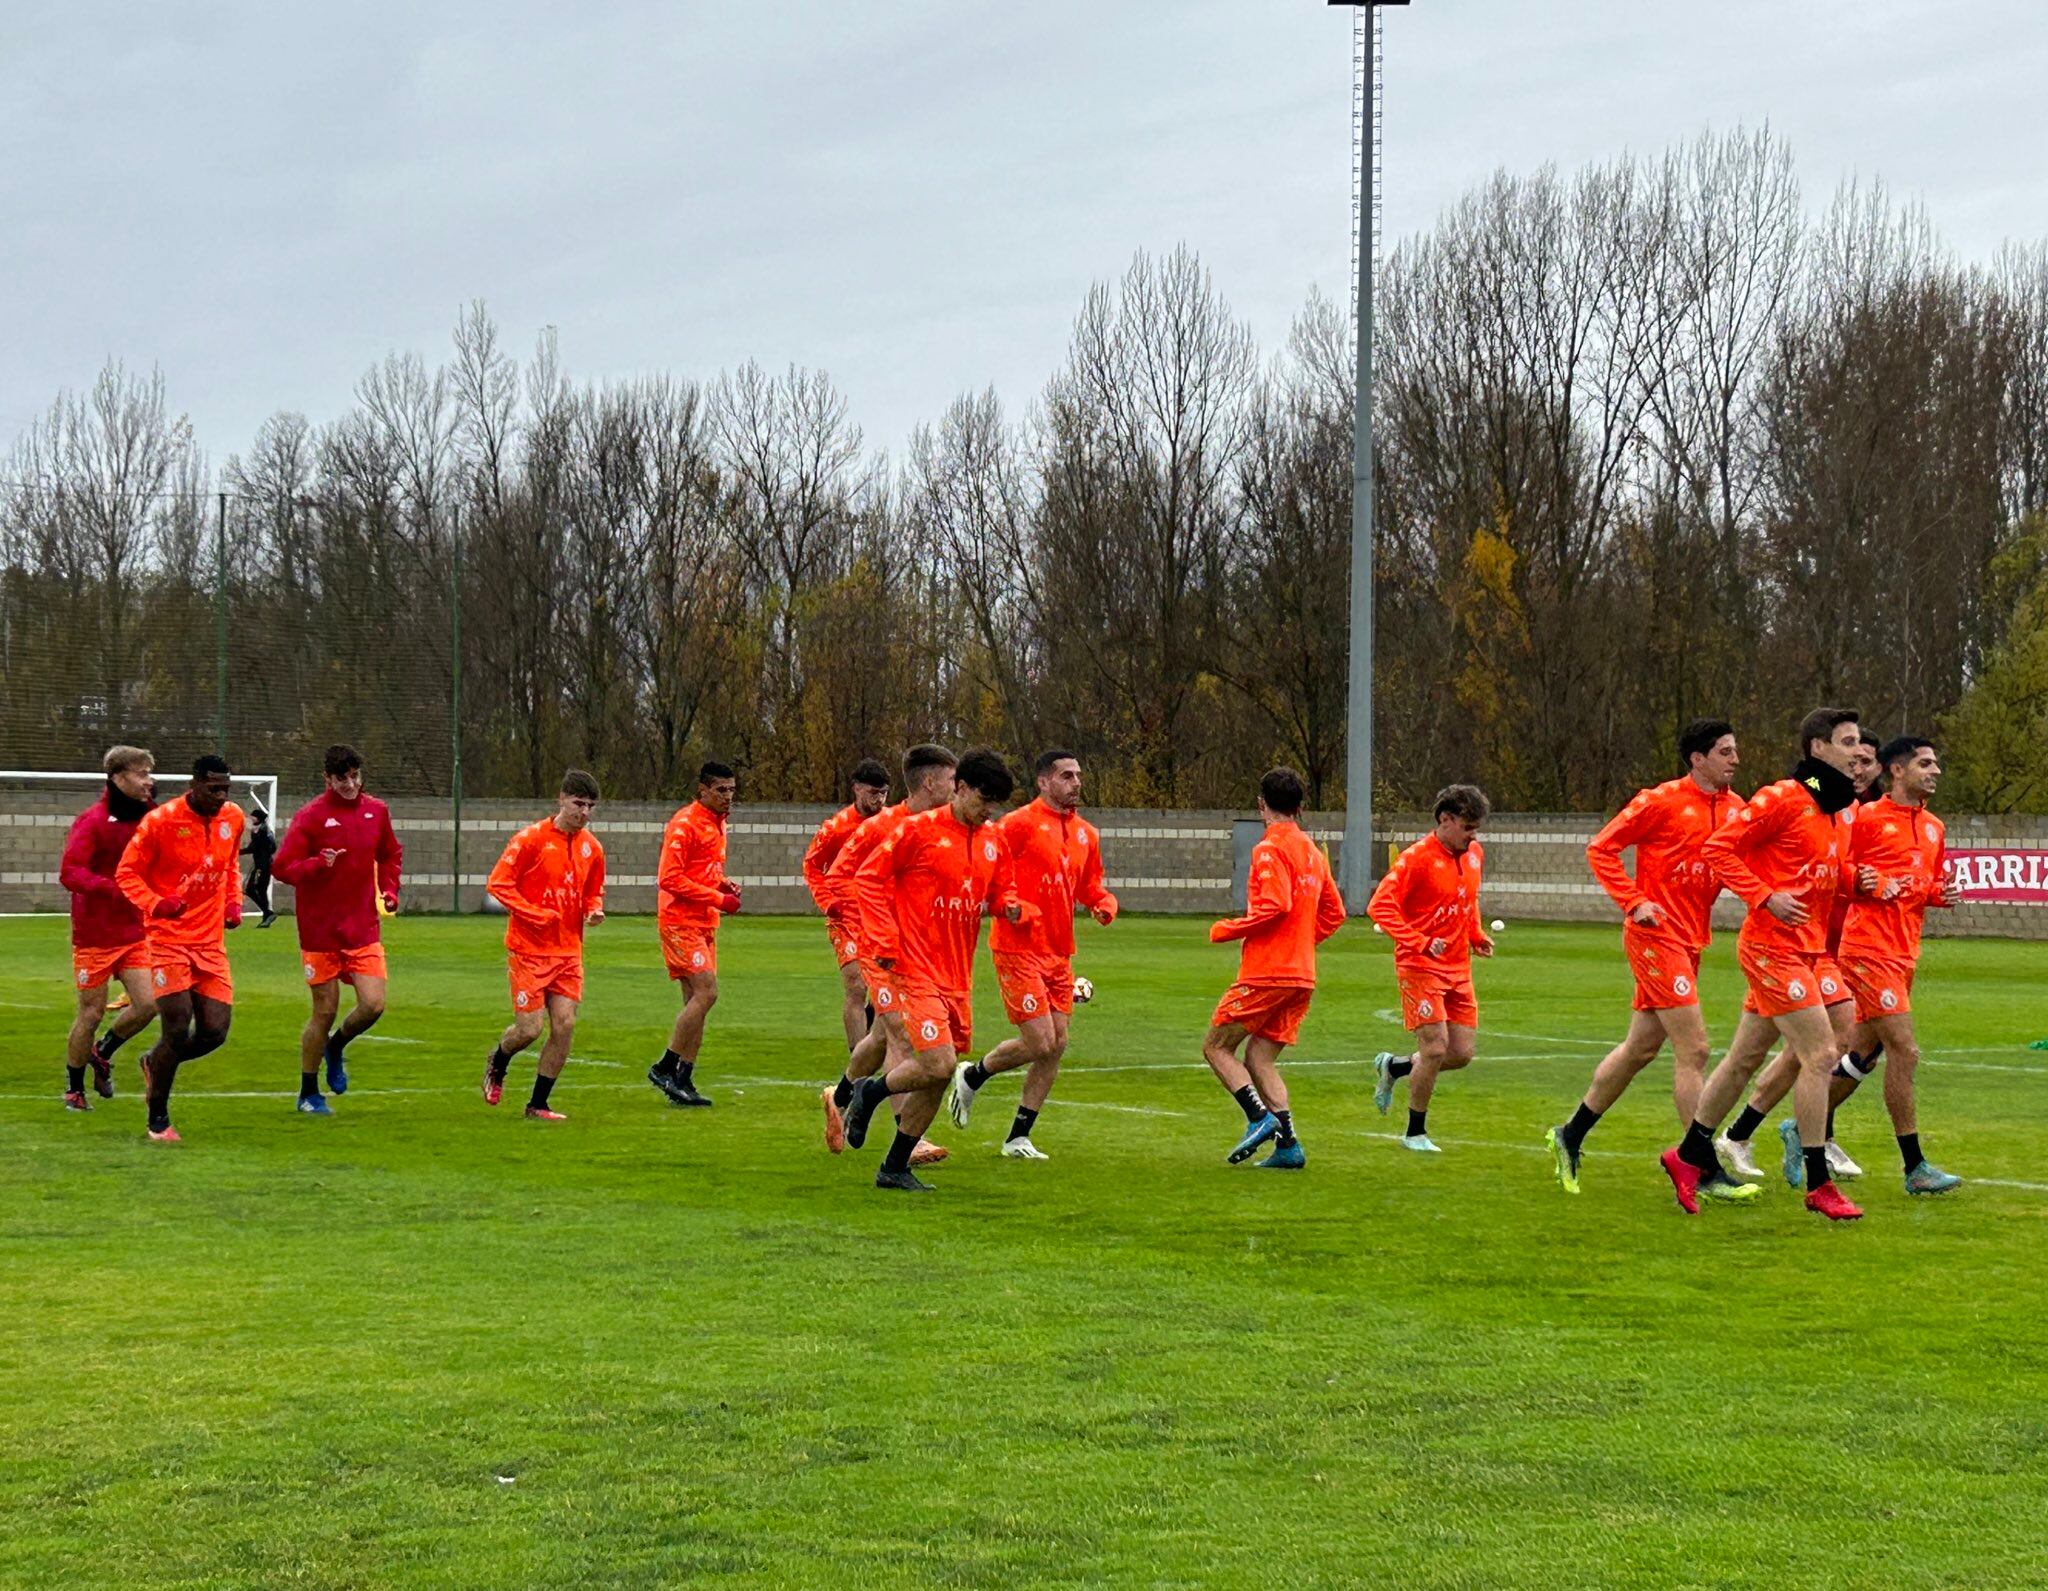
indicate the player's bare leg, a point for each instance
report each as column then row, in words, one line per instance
column 554, row 1055
column 1038, row 1045
column 319, row 1039
column 1811, row 1036
column 526, row 1027
column 82, row 1051
column 1902, row 1053
column 1267, row 1115
column 853, row 1003
column 1439, row 1047
column 1776, row 1082
column 914, row 1084
column 675, row 1073
column 1685, row 1030
column 193, row 1025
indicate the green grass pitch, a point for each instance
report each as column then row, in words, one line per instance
column 429, row 1343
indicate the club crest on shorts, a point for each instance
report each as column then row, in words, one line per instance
column 1796, row 989
column 1828, row 986
column 1681, row 984
column 83, row 975
column 1426, row 1010
column 929, row 1032
column 309, row 972
column 696, row 958
column 1889, row 999
column 521, row 999
column 160, row 979
column 1030, row 1002
column 883, row 997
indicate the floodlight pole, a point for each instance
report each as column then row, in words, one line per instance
column 220, row 625
column 1356, row 874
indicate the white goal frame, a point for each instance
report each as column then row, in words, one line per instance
column 261, row 787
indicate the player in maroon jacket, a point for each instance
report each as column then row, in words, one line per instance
column 107, row 933
column 341, row 859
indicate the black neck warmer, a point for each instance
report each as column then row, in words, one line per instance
column 1831, row 789
column 124, row 807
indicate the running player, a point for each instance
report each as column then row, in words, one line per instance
column 1057, row 855
column 1866, row 774
column 1785, row 853
column 870, row 793
column 1291, row 906
column 183, row 872
column 922, row 894
column 928, row 783
column 695, row 893
column 551, row 883
column 1906, row 847
column 1666, row 921
column 1428, row 904
column 341, row 859
column 108, row 941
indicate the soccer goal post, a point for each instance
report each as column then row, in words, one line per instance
column 251, row 789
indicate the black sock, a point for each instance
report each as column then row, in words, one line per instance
column 74, row 1079
column 1418, row 1123
column 666, row 1066
column 1831, row 1124
column 1401, row 1068
column 870, row 1009
column 1909, row 1149
column 109, row 1042
column 542, row 1087
column 1024, row 1122
column 1816, row 1167
column 159, row 1117
column 683, row 1070
column 1285, row 1137
column 898, row 1157
column 870, row 1092
column 334, row 1046
column 1746, row 1124
column 842, row 1091
column 1873, row 1055
column 309, row 1085
column 1249, row 1102
column 1574, row 1131
column 977, row 1075
column 1697, row 1149
column 500, row 1064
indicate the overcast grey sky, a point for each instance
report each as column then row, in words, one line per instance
column 912, row 194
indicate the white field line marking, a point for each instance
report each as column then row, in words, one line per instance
column 1646, row 1154
column 382, row 1038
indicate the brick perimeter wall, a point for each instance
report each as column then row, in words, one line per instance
column 1156, row 861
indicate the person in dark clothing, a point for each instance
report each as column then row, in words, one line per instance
column 262, row 847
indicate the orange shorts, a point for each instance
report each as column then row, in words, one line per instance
column 1267, row 1011
column 328, row 966
column 845, row 950
column 881, row 986
column 203, row 969
column 688, row 951
column 534, row 978
column 93, row 965
column 1881, row 988
column 1034, row 985
column 933, row 1017
column 1780, row 982
column 1667, row 972
column 1437, row 996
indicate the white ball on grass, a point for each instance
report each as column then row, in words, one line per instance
column 1084, row 991
column 1496, row 925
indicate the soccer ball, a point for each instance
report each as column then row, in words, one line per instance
column 1498, row 925
column 1084, row 991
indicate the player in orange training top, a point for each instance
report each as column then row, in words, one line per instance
column 109, row 939
column 341, row 858
column 695, row 893
column 1428, row 904
column 927, row 784
column 870, row 794
column 183, row 873
column 551, row 883
column 1057, row 856
column 1666, row 921
column 922, row 896
column 1785, row 853
column 1291, row 906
